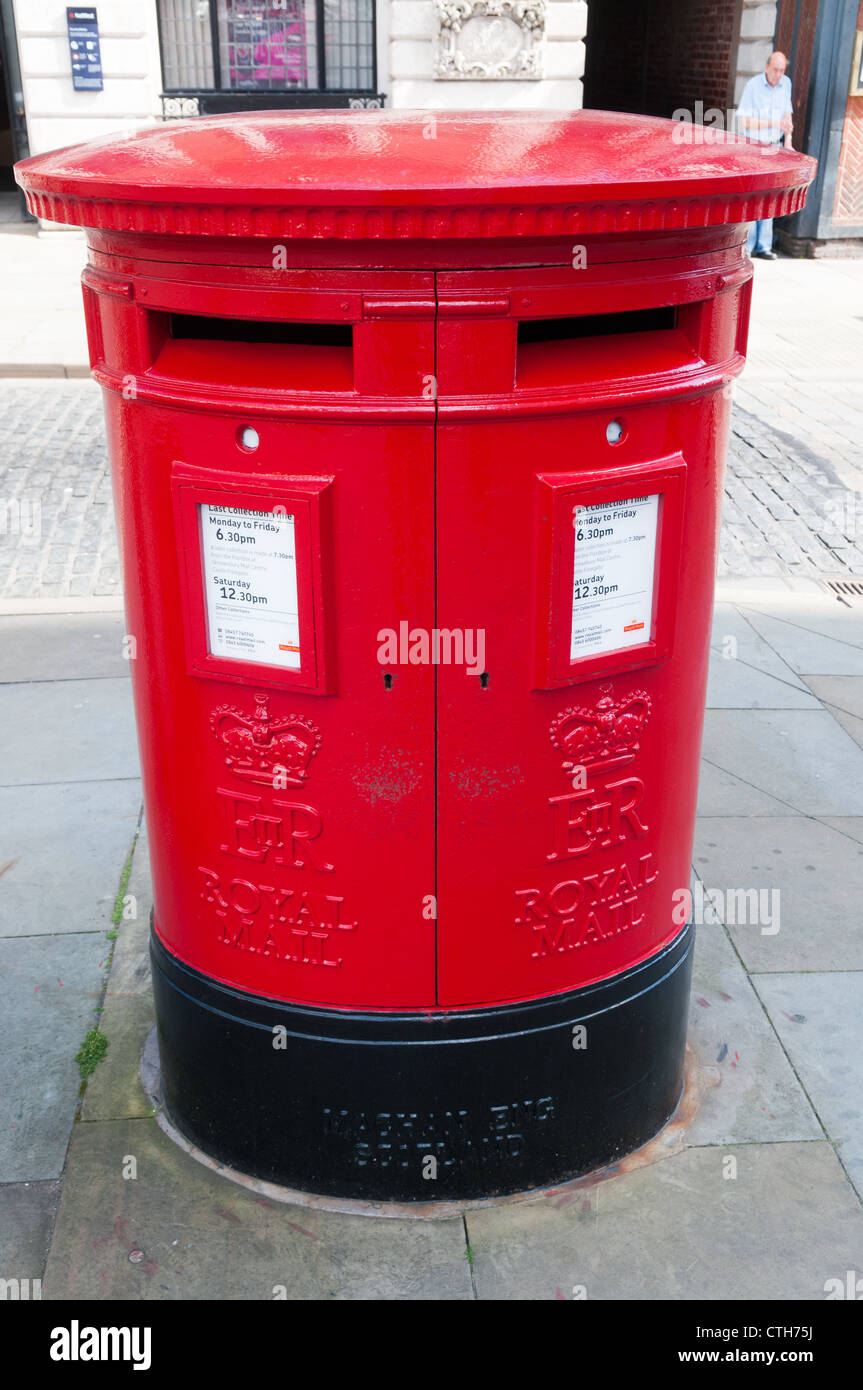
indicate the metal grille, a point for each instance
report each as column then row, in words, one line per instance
column 268, row 45
column 349, row 44
column 845, row 588
column 187, row 54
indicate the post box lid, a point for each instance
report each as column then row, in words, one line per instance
column 415, row 174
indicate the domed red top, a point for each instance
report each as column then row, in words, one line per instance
column 409, row 174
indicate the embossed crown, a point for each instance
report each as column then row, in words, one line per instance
column 258, row 747
column 604, row 736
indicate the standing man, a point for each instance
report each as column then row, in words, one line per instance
column 764, row 114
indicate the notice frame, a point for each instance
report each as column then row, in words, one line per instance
column 307, row 500
column 559, row 495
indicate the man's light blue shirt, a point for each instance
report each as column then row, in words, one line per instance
column 765, row 103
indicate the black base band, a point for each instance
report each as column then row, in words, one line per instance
column 424, row 1107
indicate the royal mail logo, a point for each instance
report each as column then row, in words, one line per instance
column 259, row 748
column 602, row 737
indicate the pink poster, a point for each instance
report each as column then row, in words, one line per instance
column 266, row 45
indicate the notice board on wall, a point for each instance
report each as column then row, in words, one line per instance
column 84, row 51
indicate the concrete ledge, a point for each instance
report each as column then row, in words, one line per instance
column 70, row 370
column 15, row 607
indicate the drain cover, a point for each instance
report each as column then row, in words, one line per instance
column 844, row 590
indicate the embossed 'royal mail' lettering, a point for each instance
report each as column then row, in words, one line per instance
column 585, row 911
column 268, row 918
column 283, row 923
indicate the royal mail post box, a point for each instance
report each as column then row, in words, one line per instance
column 417, row 424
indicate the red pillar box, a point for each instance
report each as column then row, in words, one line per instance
column 417, row 425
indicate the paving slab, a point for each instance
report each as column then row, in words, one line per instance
column 813, row 640
column 50, row 647
column 43, row 285
column 204, row 1237
column 68, row 731
column 51, row 987
column 114, row 1091
column 735, row 684
column 852, row 826
column 802, row 757
column 27, row 1211
column 840, row 692
column 720, row 793
column 809, row 881
column 759, row 1097
column 63, row 848
column 819, row 1018
column 731, row 631
column 678, row 1229
column 852, row 725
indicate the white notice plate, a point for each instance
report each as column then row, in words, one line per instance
column 612, row 581
column 250, row 582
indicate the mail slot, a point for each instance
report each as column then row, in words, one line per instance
column 417, row 427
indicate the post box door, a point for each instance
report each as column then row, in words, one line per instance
column 567, row 764
column 289, row 763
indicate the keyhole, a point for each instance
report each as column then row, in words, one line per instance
column 483, row 680
column 388, row 680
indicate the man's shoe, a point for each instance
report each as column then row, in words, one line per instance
column 767, row 255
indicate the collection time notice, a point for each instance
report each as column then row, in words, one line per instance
column 250, row 582
column 612, row 583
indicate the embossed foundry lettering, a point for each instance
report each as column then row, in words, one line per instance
column 397, row 1139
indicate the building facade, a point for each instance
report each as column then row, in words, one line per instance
column 162, row 59
column 157, row 60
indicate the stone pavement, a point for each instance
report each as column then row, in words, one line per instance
column 777, row 1015
column 777, row 1018
column 794, row 489
column 55, row 493
column 42, row 332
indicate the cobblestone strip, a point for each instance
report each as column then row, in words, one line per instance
column 56, row 520
column 790, row 506
column 787, row 509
